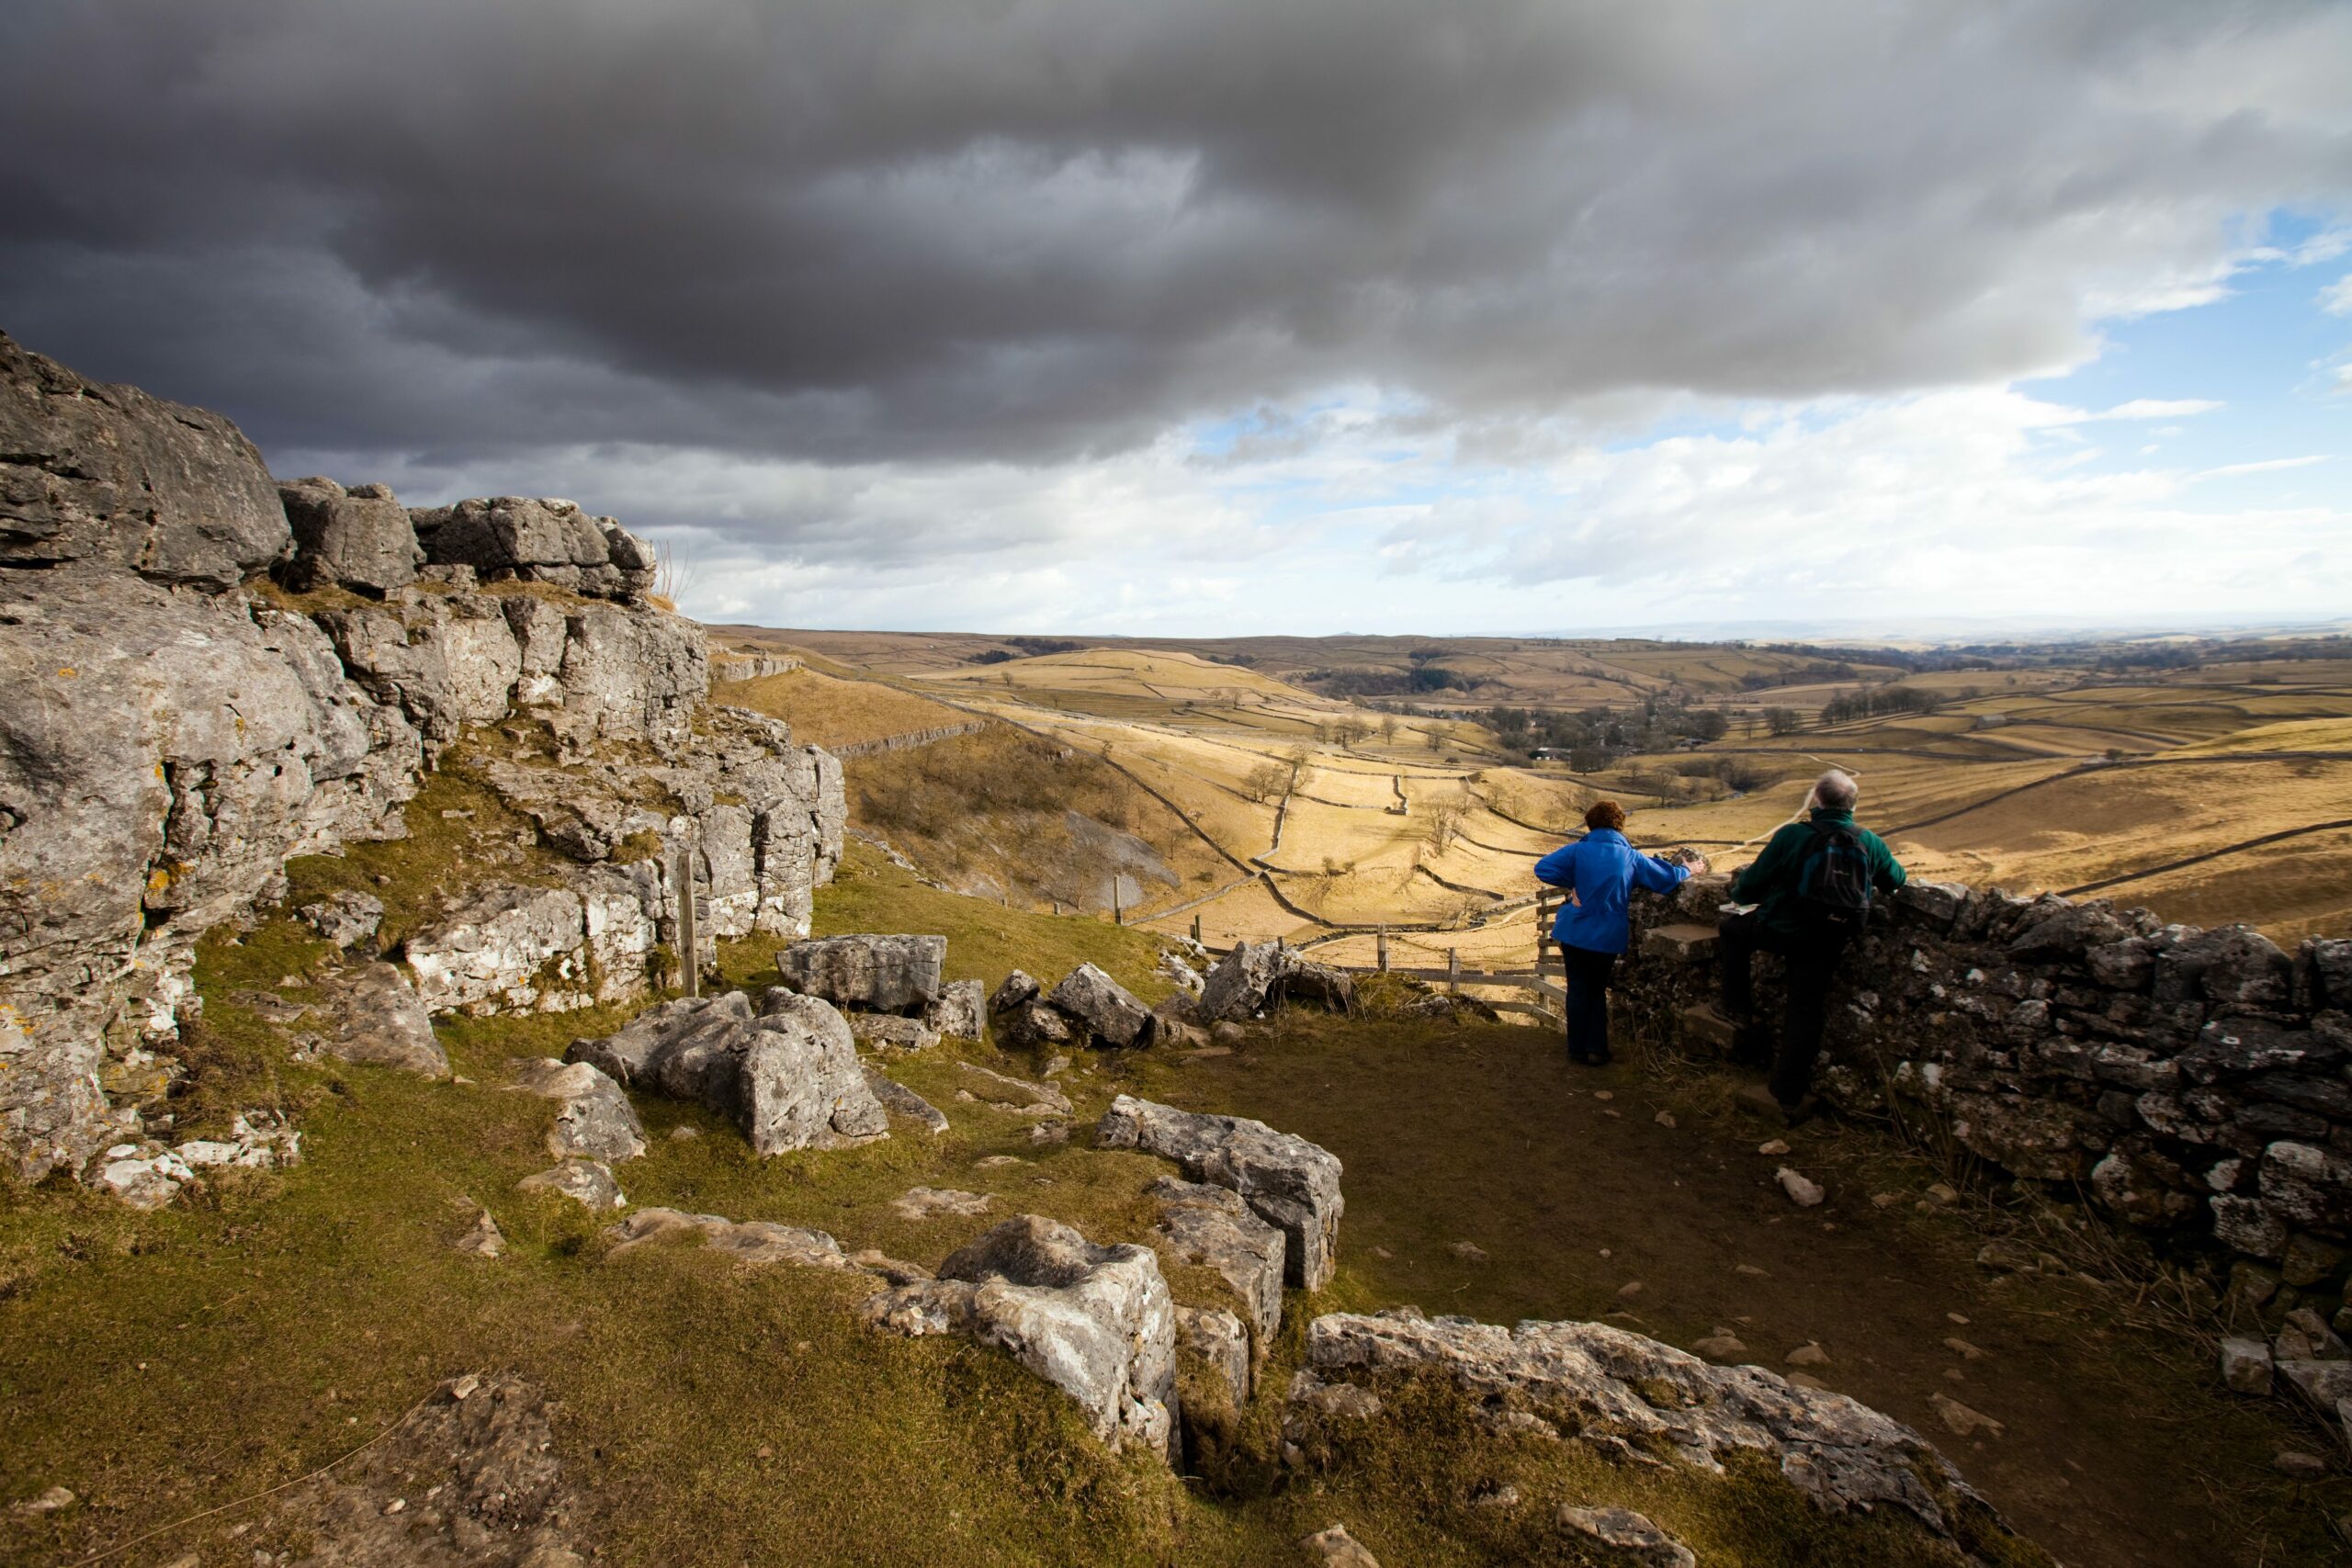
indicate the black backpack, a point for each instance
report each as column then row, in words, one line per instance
column 1833, row 882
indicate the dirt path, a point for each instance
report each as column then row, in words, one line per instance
column 2117, row 1449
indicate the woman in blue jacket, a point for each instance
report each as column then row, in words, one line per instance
column 1599, row 871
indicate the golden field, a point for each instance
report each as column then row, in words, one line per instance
column 2203, row 794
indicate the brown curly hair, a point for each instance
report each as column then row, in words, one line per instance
column 1605, row 814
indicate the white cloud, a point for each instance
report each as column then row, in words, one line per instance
column 2158, row 408
column 2336, row 298
column 2266, row 466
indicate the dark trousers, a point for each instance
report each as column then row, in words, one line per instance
column 1589, row 974
column 1812, row 959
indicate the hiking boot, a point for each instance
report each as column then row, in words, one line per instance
column 1803, row 1111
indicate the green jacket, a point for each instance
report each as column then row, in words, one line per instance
column 1771, row 883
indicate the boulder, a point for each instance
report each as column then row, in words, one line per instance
column 876, row 974
column 111, row 477
column 1288, row 1183
column 1033, row 1026
column 360, row 539
column 593, row 1120
column 586, row 1182
column 2038, row 1139
column 1212, row 1226
column 788, row 1075
column 1622, row 1536
column 1239, row 984
column 1016, row 989
column 504, row 949
column 1102, row 1007
column 1096, row 1322
column 1629, row 1397
column 374, row 1015
column 2308, row 1188
column 956, row 1012
column 1257, row 976
column 1936, row 905
column 345, row 919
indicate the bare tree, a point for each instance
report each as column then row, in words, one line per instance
column 1266, row 781
column 1447, row 813
column 673, row 573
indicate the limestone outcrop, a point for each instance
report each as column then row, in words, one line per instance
column 1634, row 1400
column 168, row 739
column 357, row 538
column 787, row 1075
column 593, row 1120
column 107, row 475
column 1096, row 1322
column 1290, row 1183
column 518, row 539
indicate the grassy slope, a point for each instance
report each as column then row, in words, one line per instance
column 163, row 1364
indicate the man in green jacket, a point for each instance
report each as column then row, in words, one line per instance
column 1813, row 888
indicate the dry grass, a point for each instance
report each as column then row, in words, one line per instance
column 825, row 710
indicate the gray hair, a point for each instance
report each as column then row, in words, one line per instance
column 1836, row 790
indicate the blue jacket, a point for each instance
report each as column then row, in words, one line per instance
column 1603, row 868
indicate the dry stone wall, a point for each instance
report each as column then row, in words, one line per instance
column 170, row 736
column 2194, row 1085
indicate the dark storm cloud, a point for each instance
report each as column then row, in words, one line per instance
column 849, row 229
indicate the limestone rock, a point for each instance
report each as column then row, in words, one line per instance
column 483, row 1238
column 359, row 538
column 2229, row 965
column 1621, row 1535
column 586, row 1182
column 374, row 1016
column 108, row 475
column 1256, row 976
column 900, row 1101
column 546, row 541
column 886, row 1029
column 1289, row 1182
column 1217, row 1344
column 1102, row 1008
column 1212, row 1225
column 1033, row 1026
column 957, row 1011
column 593, row 1119
column 1016, row 989
column 757, row 1242
column 1622, row 1392
column 1096, row 1322
column 2070, row 933
column 345, row 919
column 1805, row 1193
column 878, row 973
column 221, row 739
column 1335, row 1547
column 504, row 949
column 1004, row 1090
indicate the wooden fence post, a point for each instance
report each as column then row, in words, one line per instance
column 1118, row 905
column 1197, row 928
column 1454, row 967
column 690, row 959
column 1383, row 950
